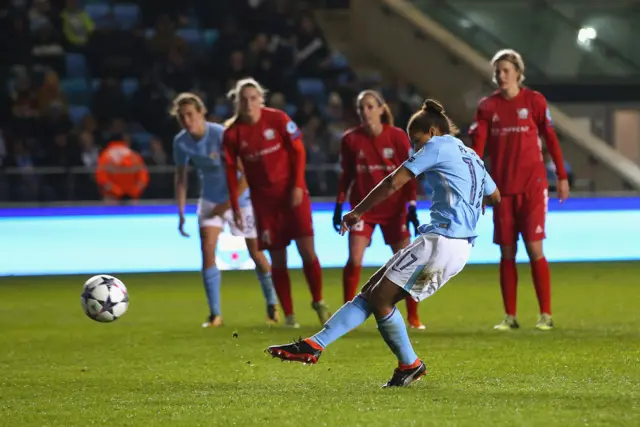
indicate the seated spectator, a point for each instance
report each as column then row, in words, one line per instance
column 47, row 50
column 50, row 94
column 77, row 25
column 312, row 54
column 109, row 102
column 41, row 15
column 175, row 71
column 165, row 38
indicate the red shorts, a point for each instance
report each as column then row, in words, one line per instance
column 393, row 231
column 524, row 214
column 278, row 227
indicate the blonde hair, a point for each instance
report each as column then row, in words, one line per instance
column 186, row 98
column 234, row 95
column 512, row 56
column 431, row 114
column 387, row 116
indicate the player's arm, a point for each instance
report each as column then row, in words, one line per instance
column 344, row 181
column 292, row 137
column 181, row 160
column 348, row 171
column 479, row 130
column 231, row 162
column 411, row 188
column 420, row 162
column 491, row 193
column 385, row 188
column 545, row 129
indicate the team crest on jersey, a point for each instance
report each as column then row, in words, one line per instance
column 292, row 129
column 495, row 117
column 269, row 134
column 243, row 144
column 387, row 153
column 214, row 156
column 523, row 113
column 361, row 154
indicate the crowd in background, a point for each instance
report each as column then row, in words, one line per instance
column 80, row 74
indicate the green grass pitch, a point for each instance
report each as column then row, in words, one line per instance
column 157, row 367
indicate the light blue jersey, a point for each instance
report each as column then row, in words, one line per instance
column 206, row 157
column 459, row 182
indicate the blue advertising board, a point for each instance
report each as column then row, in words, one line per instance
column 87, row 240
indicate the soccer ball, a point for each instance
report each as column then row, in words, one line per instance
column 104, row 298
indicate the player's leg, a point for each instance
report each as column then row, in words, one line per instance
column 210, row 229
column 282, row 284
column 299, row 224
column 359, row 239
column 263, row 269
column 270, row 237
column 351, row 315
column 505, row 234
column 531, row 220
column 397, row 236
column 420, row 271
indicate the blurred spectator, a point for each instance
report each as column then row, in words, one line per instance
column 306, row 112
column 277, row 100
column 175, row 72
column 50, row 94
column 312, row 55
column 47, row 49
column 188, row 45
column 121, row 173
column 165, row 38
column 157, row 156
column 109, row 102
column 41, row 15
column 77, row 25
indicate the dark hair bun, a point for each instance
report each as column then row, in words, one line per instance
column 431, row 105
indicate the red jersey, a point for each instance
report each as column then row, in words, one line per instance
column 366, row 160
column 511, row 130
column 272, row 155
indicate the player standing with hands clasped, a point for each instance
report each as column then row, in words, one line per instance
column 461, row 187
column 269, row 144
column 369, row 153
column 508, row 125
column 201, row 143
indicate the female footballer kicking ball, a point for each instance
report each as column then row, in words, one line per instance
column 461, row 188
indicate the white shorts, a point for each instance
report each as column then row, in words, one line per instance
column 427, row 264
column 205, row 219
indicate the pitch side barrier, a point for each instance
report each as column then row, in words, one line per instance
column 441, row 65
column 91, row 240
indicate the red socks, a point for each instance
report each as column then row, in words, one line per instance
column 542, row 282
column 509, row 285
column 313, row 273
column 282, row 283
column 350, row 280
column 412, row 309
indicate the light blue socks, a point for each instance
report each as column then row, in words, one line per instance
column 268, row 290
column 394, row 333
column 211, row 279
column 348, row 317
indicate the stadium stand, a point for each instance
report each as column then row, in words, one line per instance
column 83, row 72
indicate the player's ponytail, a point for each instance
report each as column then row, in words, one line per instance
column 234, row 94
column 387, row 115
column 432, row 115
